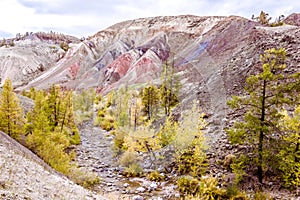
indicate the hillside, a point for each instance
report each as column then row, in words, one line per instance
column 212, row 57
column 25, row 176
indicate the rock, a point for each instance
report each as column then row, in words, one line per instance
column 153, row 186
column 126, row 185
column 137, row 197
column 140, row 189
column 177, row 195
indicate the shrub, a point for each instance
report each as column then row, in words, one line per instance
column 209, row 189
column 188, row 185
column 64, row 46
column 191, row 162
column 206, row 188
column 86, row 179
column 133, row 170
column 155, row 176
column 233, row 193
column 262, row 196
column 108, row 123
column 128, row 158
column 118, row 146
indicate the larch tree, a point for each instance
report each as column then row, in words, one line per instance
column 150, row 100
column 12, row 118
column 170, row 86
column 54, row 101
column 266, row 93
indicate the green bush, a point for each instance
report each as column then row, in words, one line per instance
column 108, row 123
column 206, row 188
column 188, row 185
column 233, row 193
column 133, row 170
column 118, row 146
column 191, row 162
column 155, row 176
column 81, row 177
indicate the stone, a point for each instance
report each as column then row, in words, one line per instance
column 126, row 185
column 137, row 197
column 153, row 186
column 140, row 189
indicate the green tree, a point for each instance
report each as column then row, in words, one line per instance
column 266, row 93
column 54, row 101
column 12, row 118
column 150, row 100
column 289, row 155
column 170, row 86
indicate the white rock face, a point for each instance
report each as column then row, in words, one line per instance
column 23, row 176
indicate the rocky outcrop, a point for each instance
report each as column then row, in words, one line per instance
column 25, row 176
column 293, row 19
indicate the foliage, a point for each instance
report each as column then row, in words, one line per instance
column 133, row 170
column 238, row 167
column 12, row 118
column 167, row 132
column 289, row 155
column 233, row 193
column 83, row 103
column 150, row 99
column 155, row 176
column 118, row 146
column 108, row 123
column 128, row 158
column 263, row 18
column 205, row 188
column 262, row 196
column 188, row 185
column 169, row 90
column 49, row 144
column 65, row 46
column 266, row 93
column 84, row 178
column 189, row 144
column 279, row 21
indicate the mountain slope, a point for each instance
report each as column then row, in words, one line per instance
column 213, row 56
column 25, row 176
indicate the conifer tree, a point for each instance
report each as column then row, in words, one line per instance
column 170, row 87
column 12, row 117
column 54, row 100
column 266, row 93
column 150, row 100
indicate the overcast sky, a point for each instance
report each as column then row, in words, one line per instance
column 84, row 18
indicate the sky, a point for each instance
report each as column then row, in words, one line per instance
column 83, row 18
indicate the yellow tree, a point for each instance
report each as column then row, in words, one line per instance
column 12, row 117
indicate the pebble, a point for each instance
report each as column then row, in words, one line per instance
column 140, row 189
column 137, row 197
column 153, row 186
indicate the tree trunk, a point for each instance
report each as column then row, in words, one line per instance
column 261, row 135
